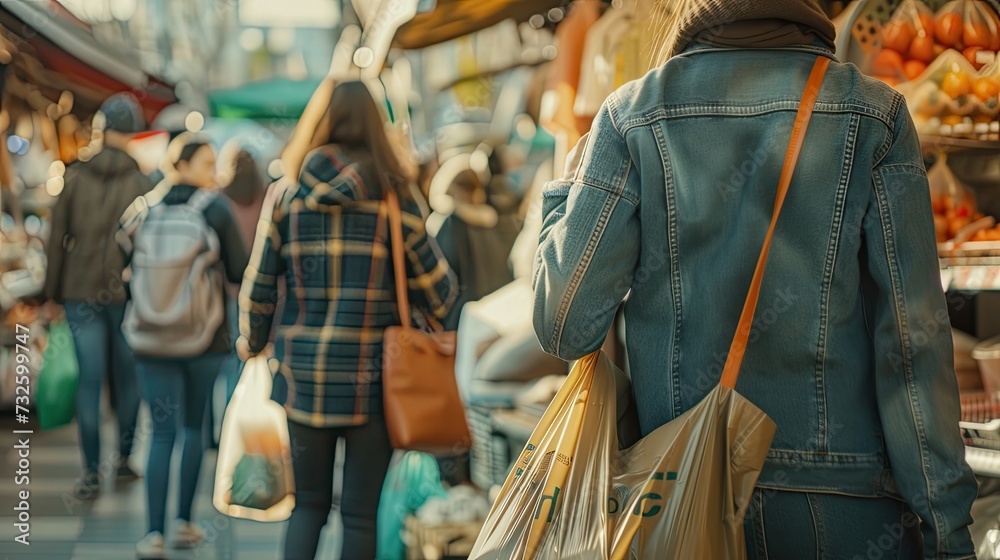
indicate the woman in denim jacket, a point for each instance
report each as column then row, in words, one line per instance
column 665, row 204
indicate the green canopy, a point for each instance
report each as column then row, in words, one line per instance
column 278, row 98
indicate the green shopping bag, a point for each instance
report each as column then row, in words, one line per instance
column 55, row 391
column 407, row 486
column 256, row 483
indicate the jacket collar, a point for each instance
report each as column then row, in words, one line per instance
column 817, row 48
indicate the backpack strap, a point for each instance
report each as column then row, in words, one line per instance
column 201, row 199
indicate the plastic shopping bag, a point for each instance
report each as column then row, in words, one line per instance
column 253, row 476
column 408, row 484
column 55, row 394
column 968, row 24
column 680, row 492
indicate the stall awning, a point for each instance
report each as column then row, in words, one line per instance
column 279, row 98
column 56, row 54
column 451, row 19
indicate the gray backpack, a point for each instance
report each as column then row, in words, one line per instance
column 177, row 287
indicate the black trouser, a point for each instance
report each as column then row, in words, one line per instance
column 368, row 453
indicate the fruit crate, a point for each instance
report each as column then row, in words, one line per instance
column 952, row 90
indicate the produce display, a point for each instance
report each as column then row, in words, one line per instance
column 945, row 64
column 957, row 218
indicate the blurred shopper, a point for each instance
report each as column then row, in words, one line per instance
column 244, row 188
column 329, row 239
column 851, row 353
column 84, row 274
column 178, row 383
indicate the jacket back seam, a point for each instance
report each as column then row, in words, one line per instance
column 676, row 288
column 651, row 116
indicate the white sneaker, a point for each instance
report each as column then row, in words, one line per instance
column 151, row 547
column 186, row 535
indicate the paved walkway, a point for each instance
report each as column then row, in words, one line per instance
column 108, row 527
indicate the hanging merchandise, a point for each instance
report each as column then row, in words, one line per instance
column 408, row 485
column 944, row 62
column 253, row 475
column 953, row 204
column 55, row 392
column 908, row 41
column 560, row 96
column 598, row 72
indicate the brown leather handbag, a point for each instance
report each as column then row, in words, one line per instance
column 423, row 410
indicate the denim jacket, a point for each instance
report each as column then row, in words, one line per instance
column 665, row 205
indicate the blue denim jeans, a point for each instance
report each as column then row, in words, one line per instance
column 101, row 350
column 804, row 526
column 178, row 392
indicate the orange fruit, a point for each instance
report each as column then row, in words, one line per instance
column 952, row 120
column 970, row 55
column 889, row 80
column 914, row 68
column 922, row 48
column 941, row 228
column 977, row 35
column 897, row 35
column 887, row 63
column 994, row 28
column 948, row 29
column 986, row 88
column 927, row 24
column 956, row 84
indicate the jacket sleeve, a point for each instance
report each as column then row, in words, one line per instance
column 915, row 379
column 589, row 246
column 234, row 252
column 259, row 293
column 432, row 284
column 56, row 247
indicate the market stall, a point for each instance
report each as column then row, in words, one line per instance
column 56, row 75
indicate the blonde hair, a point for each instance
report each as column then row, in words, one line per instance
column 668, row 19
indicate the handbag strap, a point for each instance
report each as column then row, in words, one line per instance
column 734, row 360
column 398, row 260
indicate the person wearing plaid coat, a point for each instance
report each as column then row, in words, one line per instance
column 328, row 237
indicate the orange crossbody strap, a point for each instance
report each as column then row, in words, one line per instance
column 734, row 360
column 398, row 262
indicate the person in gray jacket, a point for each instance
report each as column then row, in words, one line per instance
column 85, row 275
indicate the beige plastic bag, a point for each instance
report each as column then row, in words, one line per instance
column 254, row 466
column 680, row 492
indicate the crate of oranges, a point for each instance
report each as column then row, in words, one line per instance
column 945, row 63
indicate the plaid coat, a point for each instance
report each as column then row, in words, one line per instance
column 329, row 238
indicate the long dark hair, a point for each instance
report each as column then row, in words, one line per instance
column 353, row 120
column 189, row 150
column 246, row 186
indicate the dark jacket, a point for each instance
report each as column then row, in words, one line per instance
column 232, row 252
column 329, row 239
column 84, row 263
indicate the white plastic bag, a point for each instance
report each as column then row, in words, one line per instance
column 254, row 431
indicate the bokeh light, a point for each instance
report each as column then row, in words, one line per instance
column 54, row 186
column 194, row 121
column 251, row 39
